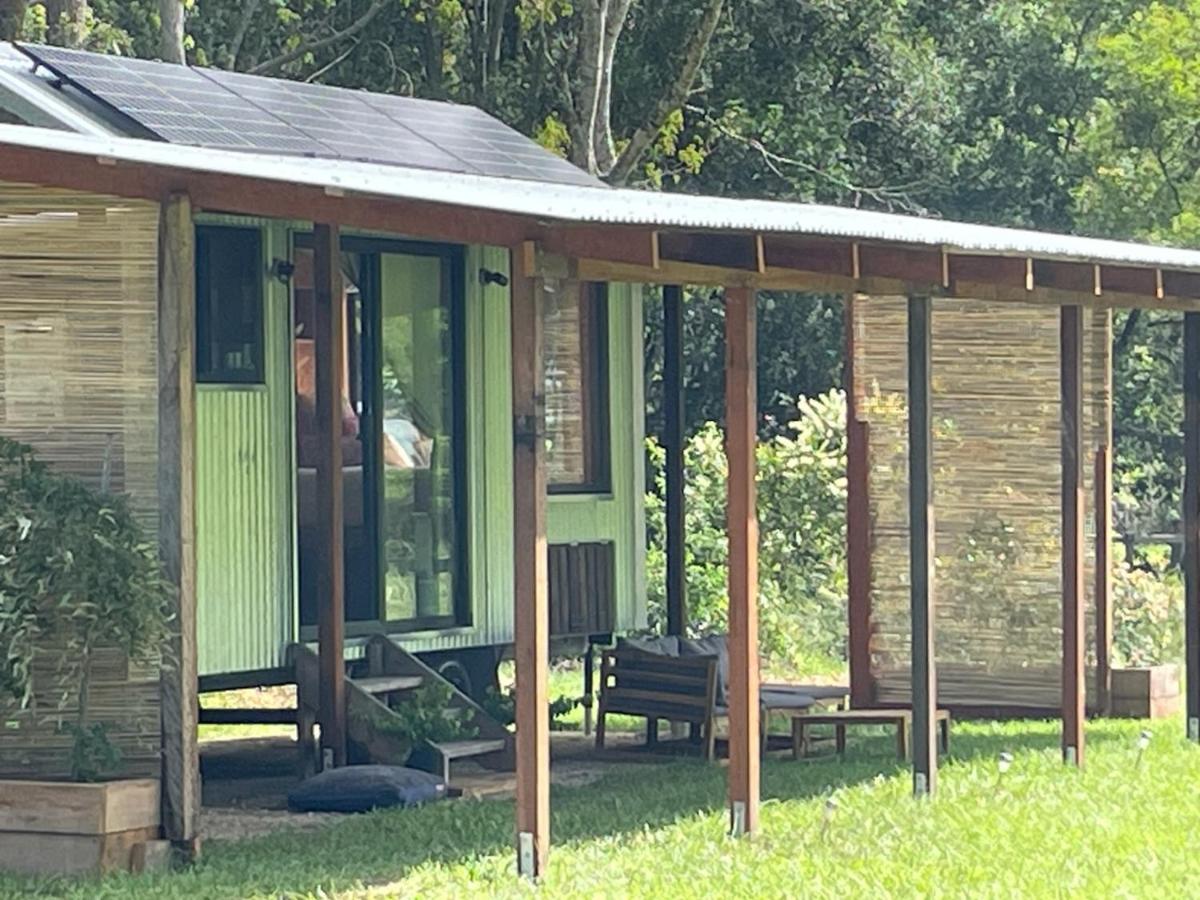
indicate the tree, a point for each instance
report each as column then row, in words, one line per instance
column 12, row 19
column 171, row 15
column 68, row 21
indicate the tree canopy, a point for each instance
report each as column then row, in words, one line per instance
column 1072, row 115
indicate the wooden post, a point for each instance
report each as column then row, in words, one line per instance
column 673, row 443
column 741, row 419
column 177, row 516
column 1102, row 479
column 921, row 543
column 1071, row 361
column 330, row 351
column 531, row 595
column 1191, row 517
column 1103, row 500
column 858, row 529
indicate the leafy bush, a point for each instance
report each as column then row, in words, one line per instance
column 802, row 552
column 76, row 576
column 1147, row 617
column 425, row 715
column 502, row 706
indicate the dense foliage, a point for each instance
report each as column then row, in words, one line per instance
column 801, row 505
column 76, row 572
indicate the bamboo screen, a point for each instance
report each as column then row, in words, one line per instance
column 79, row 382
column 997, row 506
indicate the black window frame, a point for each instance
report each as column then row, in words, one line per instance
column 453, row 269
column 206, row 372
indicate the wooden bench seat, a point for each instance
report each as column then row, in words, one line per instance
column 676, row 688
column 841, row 719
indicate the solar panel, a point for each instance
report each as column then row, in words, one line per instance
column 339, row 120
column 216, row 108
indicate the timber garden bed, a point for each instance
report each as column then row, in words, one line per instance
column 72, row 828
column 1122, row 826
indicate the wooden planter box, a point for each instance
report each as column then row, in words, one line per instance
column 1149, row 693
column 63, row 827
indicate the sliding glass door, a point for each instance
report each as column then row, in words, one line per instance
column 403, row 435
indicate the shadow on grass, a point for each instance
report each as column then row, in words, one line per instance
column 384, row 846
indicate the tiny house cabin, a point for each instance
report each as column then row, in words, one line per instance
column 372, row 368
column 425, row 386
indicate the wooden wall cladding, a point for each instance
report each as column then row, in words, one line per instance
column 582, row 591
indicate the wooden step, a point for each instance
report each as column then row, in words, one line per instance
column 465, row 749
column 452, row 750
column 388, row 684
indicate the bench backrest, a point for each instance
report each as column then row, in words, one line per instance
column 678, row 688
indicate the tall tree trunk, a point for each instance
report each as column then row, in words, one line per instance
column 67, row 21
column 12, row 19
column 170, row 39
column 589, row 120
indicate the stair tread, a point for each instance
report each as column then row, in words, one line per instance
column 385, row 684
column 461, row 749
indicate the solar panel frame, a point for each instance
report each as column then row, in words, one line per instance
column 218, row 108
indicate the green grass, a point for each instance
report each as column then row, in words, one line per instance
column 1118, row 828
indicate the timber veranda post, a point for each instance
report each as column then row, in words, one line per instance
column 858, row 524
column 177, row 519
column 673, row 445
column 330, row 353
column 741, row 405
column 1071, row 383
column 1191, row 517
column 531, row 624
column 921, row 544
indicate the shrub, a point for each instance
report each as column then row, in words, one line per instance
column 1147, row 617
column 802, row 552
column 76, row 576
column 502, row 706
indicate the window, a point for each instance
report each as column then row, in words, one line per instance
column 229, row 294
column 576, row 351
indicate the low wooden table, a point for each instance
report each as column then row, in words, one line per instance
column 900, row 719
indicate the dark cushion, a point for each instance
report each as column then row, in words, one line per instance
column 713, row 645
column 667, row 645
column 363, row 788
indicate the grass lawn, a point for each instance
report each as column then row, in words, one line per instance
column 1119, row 828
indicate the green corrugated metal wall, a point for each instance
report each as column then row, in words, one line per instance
column 244, row 484
column 617, row 516
column 245, row 600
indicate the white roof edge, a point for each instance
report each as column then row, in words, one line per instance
column 602, row 205
column 32, row 99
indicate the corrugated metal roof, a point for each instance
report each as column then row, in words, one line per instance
column 602, row 205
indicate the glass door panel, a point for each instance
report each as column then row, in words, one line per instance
column 418, row 519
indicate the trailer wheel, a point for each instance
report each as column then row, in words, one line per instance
column 456, row 673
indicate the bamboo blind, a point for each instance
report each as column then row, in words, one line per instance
column 566, row 458
column 996, row 459
column 79, row 382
